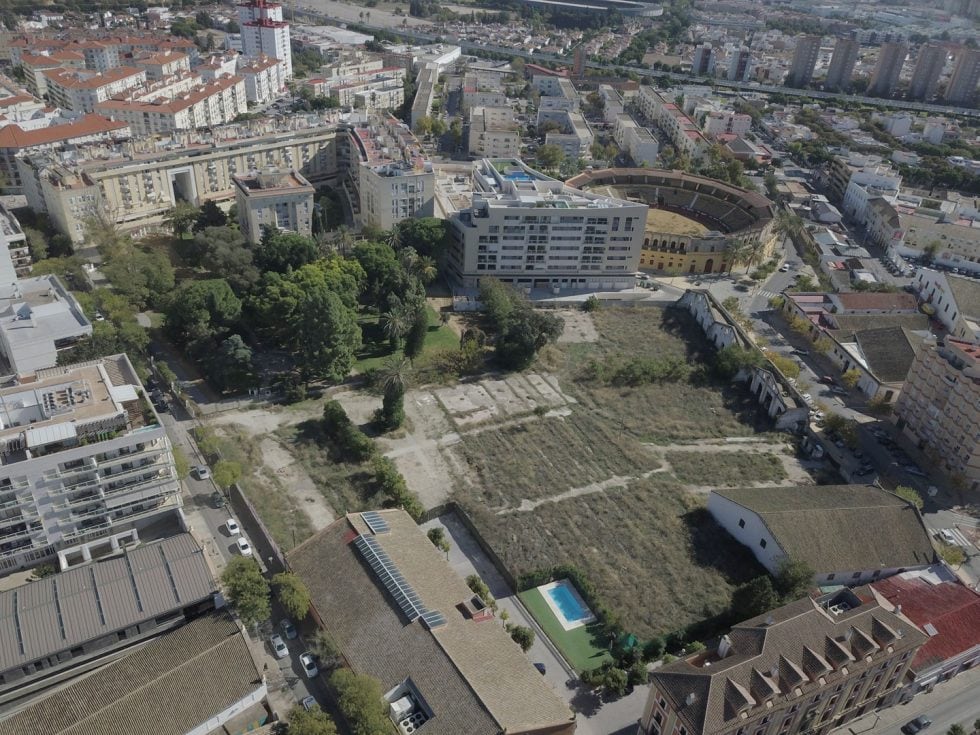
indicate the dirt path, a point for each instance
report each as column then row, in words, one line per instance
column 296, row 482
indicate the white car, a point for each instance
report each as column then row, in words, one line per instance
column 309, row 665
column 947, row 537
column 233, row 528
column 201, row 472
column 279, row 646
column 243, row 547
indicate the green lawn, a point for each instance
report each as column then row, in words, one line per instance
column 577, row 646
column 375, row 350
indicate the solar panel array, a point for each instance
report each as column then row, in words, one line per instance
column 382, row 565
column 375, row 521
column 396, row 584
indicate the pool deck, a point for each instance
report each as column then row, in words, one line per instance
column 582, row 647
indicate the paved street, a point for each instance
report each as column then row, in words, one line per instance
column 950, row 703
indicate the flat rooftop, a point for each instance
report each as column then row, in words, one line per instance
column 55, row 405
column 273, row 181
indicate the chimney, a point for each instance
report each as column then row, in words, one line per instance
column 898, row 609
column 691, row 699
column 769, row 620
column 724, row 646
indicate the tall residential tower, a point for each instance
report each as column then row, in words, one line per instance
column 264, row 32
column 804, row 60
column 928, row 67
column 891, row 59
column 962, row 88
column 842, row 63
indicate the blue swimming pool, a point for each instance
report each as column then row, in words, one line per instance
column 568, row 603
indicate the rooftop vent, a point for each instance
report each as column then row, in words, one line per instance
column 724, row 646
column 691, row 699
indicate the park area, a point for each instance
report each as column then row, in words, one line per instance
column 599, row 457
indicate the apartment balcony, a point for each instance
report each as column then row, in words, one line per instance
column 123, row 458
column 7, row 535
column 109, row 481
column 17, row 548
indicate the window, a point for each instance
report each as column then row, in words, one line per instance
column 762, row 543
column 856, row 575
column 830, row 577
column 741, row 523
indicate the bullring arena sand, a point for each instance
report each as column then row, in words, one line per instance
column 659, row 220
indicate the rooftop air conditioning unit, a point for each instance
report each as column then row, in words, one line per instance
column 401, row 708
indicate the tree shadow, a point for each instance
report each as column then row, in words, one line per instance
column 586, row 701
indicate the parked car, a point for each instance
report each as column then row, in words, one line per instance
column 308, row 664
column 218, row 500
column 917, row 725
column 288, row 629
column 308, row 703
column 541, row 668
column 784, row 268
column 233, row 528
column 243, row 546
column 201, row 472
column 278, row 646
column 946, row 536
column 801, row 353
column 827, row 379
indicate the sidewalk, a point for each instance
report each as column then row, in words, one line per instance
column 892, row 719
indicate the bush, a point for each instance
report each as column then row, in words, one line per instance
column 248, row 590
column 591, row 304
column 637, row 674
column 653, row 649
column 522, row 636
column 438, row 538
column 390, row 482
column 910, row 494
column 729, row 361
column 479, row 588
column 293, row 595
column 850, row 378
column 361, row 702
column 352, row 444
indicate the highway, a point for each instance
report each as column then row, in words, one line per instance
column 317, row 16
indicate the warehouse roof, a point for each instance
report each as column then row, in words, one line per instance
column 168, row 687
column 65, row 610
column 827, row 526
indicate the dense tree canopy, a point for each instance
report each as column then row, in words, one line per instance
column 283, row 251
column 202, row 310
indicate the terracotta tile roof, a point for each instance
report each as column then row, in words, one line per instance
column 775, row 653
column 15, row 99
column 471, row 675
column 170, row 686
column 826, row 526
column 952, row 609
column 13, row 136
column 77, row 79
column 53, row 58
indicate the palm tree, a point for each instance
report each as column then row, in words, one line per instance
column 181, row 217
column 395, row 237
column 738, row 252
column 426, row 269
column 395, row 324
column 393, row 376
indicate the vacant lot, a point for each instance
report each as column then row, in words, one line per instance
column 654, row 553
column 613, row 485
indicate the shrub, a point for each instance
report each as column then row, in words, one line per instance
column 637, row 674
column 653, row 649
column 524, row 637
column 952, row 555
column 390, row 482
column 351, row 443
column 592, row 304
column 910, row 494
column 850, row 378
column 732, row 359
column 438, row 538
column 479, row 588
column 360, row 700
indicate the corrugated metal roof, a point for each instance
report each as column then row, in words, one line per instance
column 66, row 610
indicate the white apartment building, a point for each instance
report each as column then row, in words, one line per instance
column 219, row 65
column 34, row 66
column 264, row 78
column 683, row 132
column 425, row 92
column 137, row 191
column 15, row 254
column 85, row 461
column 493, row 133
column 535, row 232
column 953, row 300
column 282, row 200
column 39, row 317
column 393, row 181
column 383, row 90
column 612, row 104
column 575, row 138
column 939, row 408
column 636, row 140
column 78, row 90
column 208, row 105
column 725, row 122
column 264, row 32
column 878, row 181
column 551, row 86
column 476, row 95
column 161, row 64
